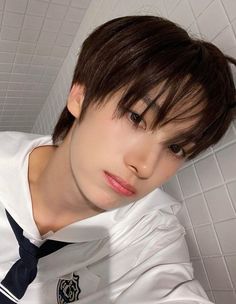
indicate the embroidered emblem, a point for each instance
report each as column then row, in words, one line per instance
column 68, row 290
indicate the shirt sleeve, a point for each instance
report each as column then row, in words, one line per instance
column 165, row 284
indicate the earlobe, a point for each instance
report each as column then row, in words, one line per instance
column 75, row 99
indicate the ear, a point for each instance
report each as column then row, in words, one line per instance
column 75, row 100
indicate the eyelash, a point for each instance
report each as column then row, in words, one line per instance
column 136, row 124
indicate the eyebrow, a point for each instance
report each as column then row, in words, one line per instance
column 148, row 101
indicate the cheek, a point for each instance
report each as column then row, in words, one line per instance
column 169, row 168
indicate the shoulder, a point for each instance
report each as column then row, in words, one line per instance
column 165, row 283
column 12, row 142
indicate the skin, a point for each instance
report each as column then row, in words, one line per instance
column 67, row 182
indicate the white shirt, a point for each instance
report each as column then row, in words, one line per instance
column 134, row 254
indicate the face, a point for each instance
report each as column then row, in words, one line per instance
column 114, row 163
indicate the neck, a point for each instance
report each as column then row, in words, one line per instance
column 56, row 199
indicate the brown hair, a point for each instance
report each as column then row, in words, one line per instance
column 141, row 52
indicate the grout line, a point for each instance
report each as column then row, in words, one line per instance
column 195, row 239
column 164, row 6
column 195, row 18
column 174, row 7
column 205, row 9
column 214, row 230
column 224, row 9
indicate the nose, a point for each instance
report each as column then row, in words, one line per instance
column 143, row 157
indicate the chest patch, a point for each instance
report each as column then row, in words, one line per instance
column 68, row 290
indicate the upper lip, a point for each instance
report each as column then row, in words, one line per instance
column 122, row 182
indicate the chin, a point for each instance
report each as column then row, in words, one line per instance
column 106, row 203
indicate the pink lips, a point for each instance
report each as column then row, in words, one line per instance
column 119, row 185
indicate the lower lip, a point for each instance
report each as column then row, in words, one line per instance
column 117, row 187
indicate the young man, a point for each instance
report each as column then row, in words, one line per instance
column 82, row 217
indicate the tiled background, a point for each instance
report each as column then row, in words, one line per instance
column 38, row 49
column 35, row 38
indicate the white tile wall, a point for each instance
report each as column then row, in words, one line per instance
column 33, row 32
column 216, row 198
column 217, row 273
column 207, row 240
column 38, row 39
column 197, row 210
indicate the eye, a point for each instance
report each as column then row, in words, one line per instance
column 177, row 150
column 136, row 119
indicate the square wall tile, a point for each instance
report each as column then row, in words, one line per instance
column 224, row 297
column 231, row 263
column 214, row 267
column 55, row 61
column 37, row 8
column 182, row 14
column 81, row 3
column 23, row 58
column 7, row 57
column 226, row 41
column 226, row 235
column 62, row 2
column 4, row 76
column 183, row 217
column 28, row 35
column 192, row 245
column 64, row 39
column 199, row 6
column 200, row 274
column 20, row 68
column 33, row 22
column 56, row 11
column 230, row 7
column 170, row 5
column 219, row 204
column 2, row 2
column 39, row 60
column 197, row 210
column 5, row 67
column 70, row 28
column 208, row 26
column 47, row 38
column 51, row 25
column 208, row 172
column 8, row 46
column 15, row 86
column 26, row 48
column 59, row 51
column 16, row 6
column 188, row 181
column 207, row 242
column 74, row 14
column 3, row 85
column 172, row 188
column 43, row 50
column 10, row 33
column 227, row 162
column 232, row 192
column 12, row 19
